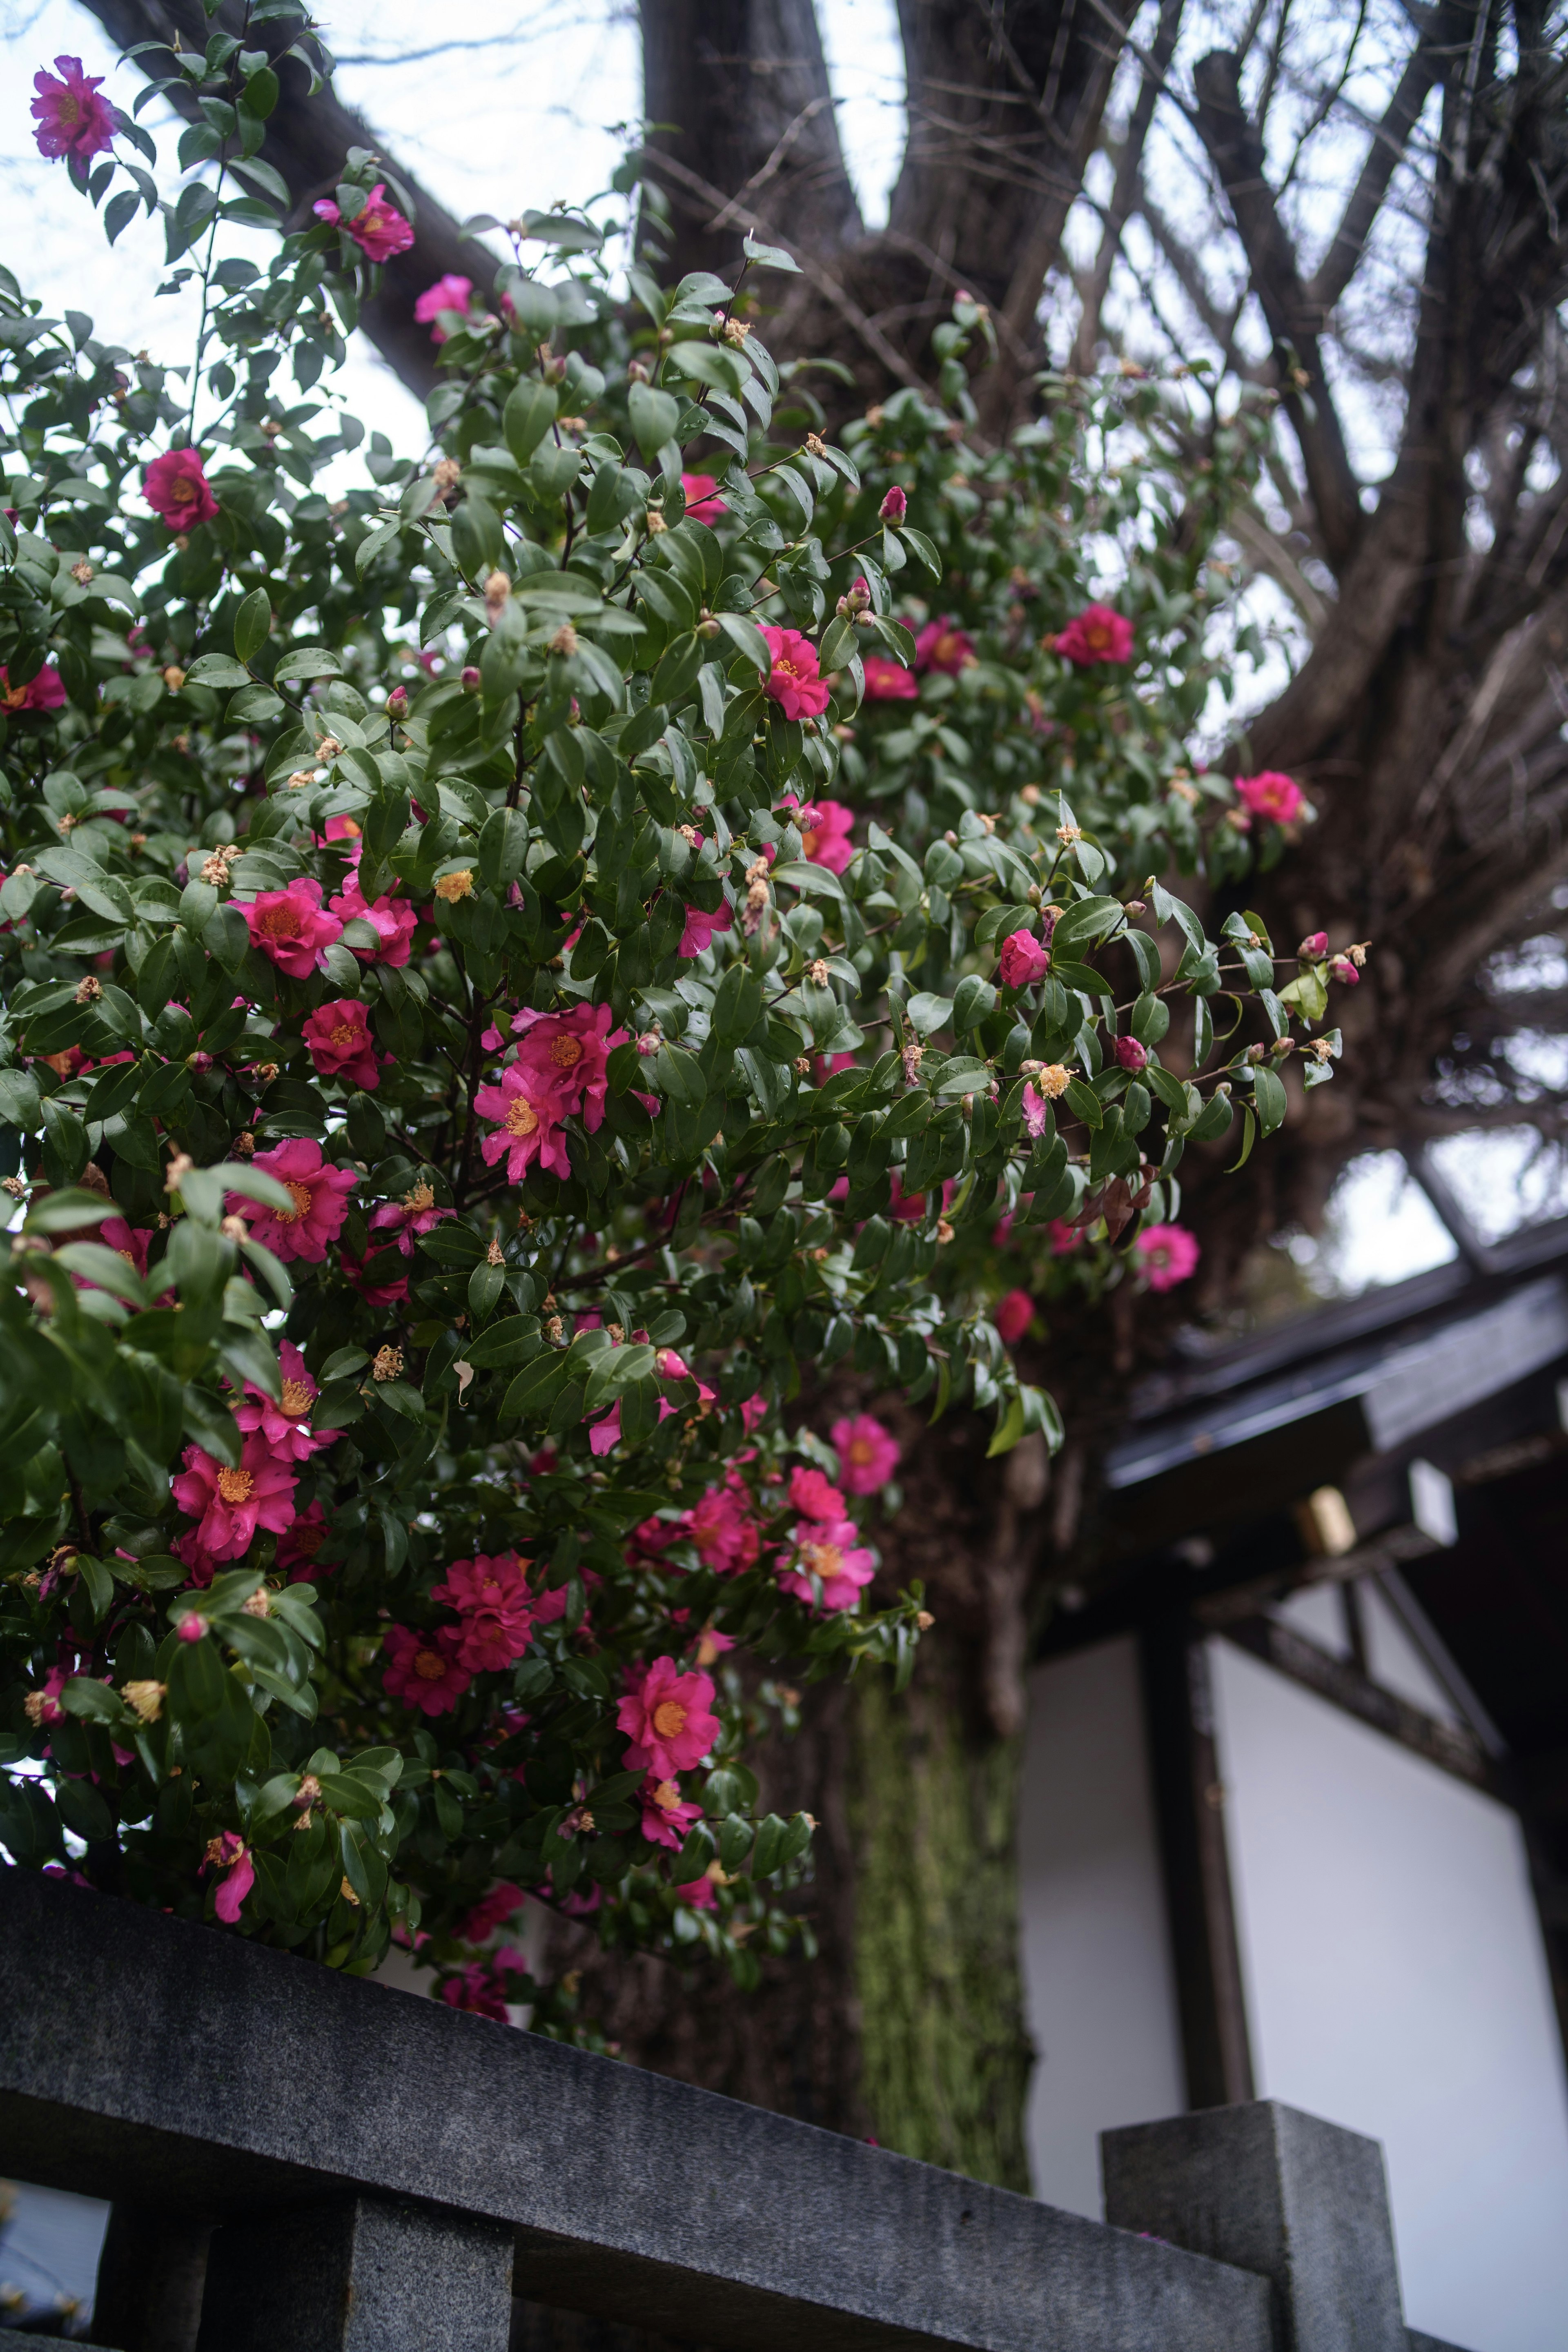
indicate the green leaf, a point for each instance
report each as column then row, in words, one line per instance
column 252, row 624
column 654, row 416
column 769, row 256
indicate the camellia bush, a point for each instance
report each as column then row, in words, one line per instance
column 511, row 968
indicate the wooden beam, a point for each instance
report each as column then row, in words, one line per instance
column 1452, row 1747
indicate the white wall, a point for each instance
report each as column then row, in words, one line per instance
column 1396, row 1983
column 1097, row 1974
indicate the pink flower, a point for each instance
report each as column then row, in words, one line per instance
column 868, row 1453
column 667, row 1720
column 319, row 1190
column 1314, row 945
column 794, row 684
column 230, row 1505
column 827, row 1549
column 49, row 1709
column 1023, row 960
column 1279, row 798
column 666, row 1816
column 493, row 1598
column 1130, row 1053
column 423, row 1669
column 813, row 1497
column 943, row 644
column 721, row 1527
column 1065, row 1236
column 229, row 1853
column 1343, row 969
column 475, row 1987
column 1170, row 1254
column 175, row 486
column 1037, row 1109
column 701, row 1895
column 393, row 920
column 569, row 1053
column 300, row 1543
column 528, row 1113
column 701, row 927
column 825, row 830
column 889, row 681
column 379, row 229
column 448, row 293
column 1013, row 1316
column 493, row 1910
column 702, row 506
column 754, row 1412
column 1095, row 634
column 340, row 1044
column 44, row 691
column 71, row 118
column 894, row 506
column 292, row 927
column 286, row 1426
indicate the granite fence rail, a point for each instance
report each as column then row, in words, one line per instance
column 300, row 2162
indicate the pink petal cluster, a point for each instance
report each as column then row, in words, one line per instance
column 868, row 1453
column 379, row 229
column 70, row 118
column 1097, row 633
column 341, row 1047
column 795, row 683
column 527, row 1112
column 941, row 644
column 826, row 1548
column 666, row 1815
column 175, row 486
column 825, row 830
column 230, row 1505
column 1013, row 1316
column 1278, row 798
column 286, row 1425
column 700, row 926
column 1169, row 1255
column 300, row 1543
column 895, row 506
column 496, row 1609
column 44, row 691
column 812, row 1495
column 702, row 506
column 424, row 1669
column 292, row 927
column 889, row 681
column 393, row 920
column 229, row 1853
column 720, row 1526
column 319, row 1193
column 667, row 1718
column 490, row 1912
column 569, row 1053
column 1023, row 960
column 1343, row 969
column 477, row 1988
column 448, row 293
column 1130, row 1055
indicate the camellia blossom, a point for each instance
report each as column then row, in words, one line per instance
column 392, row 920
column 702, row 505
column 668, row 1720
column 300, row 1543
column 175, row 486
column 1013, row 1316
column 341, row 1047
column 895, row 506
column 492, row 1599
column 889, row 681
column 570, row 1053
column 1343, row 969
column 944, row 646
column 1130, row 1053
column 813, row 1496
column 1314, row 945
column 1169, row 1255
column 825, row 830
column 448, row 293
column 46, row 690
column 230, row 1505
column 868, row 1453
column 795, row 683
column 1040, row 1093
column 722, row 1529
column 285, row 1424
column 1097, row 633
column 229, row 1853
column 292, row 927
column 379, row 229
column 666, row 1814
column 528, row 1116
column 424, row 1669
column 826, row 1550
column 69, row 117
column 701, row 926
column 492, row 1911
column 1278, row 798
column 476, row 1987
column 319, row 1193
column 1023, row 960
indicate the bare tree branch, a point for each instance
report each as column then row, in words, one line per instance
column 1348, row 243
column 1124, row 191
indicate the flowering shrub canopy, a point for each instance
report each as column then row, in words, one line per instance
column 490, row 1010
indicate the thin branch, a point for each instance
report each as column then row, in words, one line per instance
column 1124, row 192
column 1340, row 263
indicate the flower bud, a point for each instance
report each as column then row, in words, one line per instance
column 397, row 702
column 470, row 679
column 895, row 506
column 1343, row 969
column 1130, row 1053
column 191, row 1628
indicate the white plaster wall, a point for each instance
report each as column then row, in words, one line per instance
column 1396, row 1983
column 1097, row 1974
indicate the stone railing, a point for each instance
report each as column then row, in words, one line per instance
column 301, row 2162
